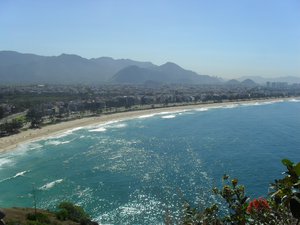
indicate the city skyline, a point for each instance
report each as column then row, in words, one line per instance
column 226, row 39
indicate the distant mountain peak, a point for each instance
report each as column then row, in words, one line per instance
column 73, row 69
column 166, row 73
column 263, row 80
column 249, row 82
column 65, row 55
column 170, row 65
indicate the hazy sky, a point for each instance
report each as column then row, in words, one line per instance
column 227, row 38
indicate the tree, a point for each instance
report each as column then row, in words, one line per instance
column 35, row 117
column 1, row 112
column 69, row 211
column 11, row 127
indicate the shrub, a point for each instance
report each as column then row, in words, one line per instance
column 38, row 217
column 62, row 214
column 69, row 211
column 282, row 206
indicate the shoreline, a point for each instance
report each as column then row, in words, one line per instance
column 10, row 143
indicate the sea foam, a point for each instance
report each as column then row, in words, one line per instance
column 201, row 109
column 50, row 184
column 119, row 125
column 100, row 129
column 294, row 100
column 103, row 127
column 164, row 113
column 261, row 103
column 4, row 161
column 146, row 116
column 231, row 106
column 64, row 134
column 20, row 174
column 55, row 142
column 168, row 116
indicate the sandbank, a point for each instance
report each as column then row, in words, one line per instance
column 13, row 141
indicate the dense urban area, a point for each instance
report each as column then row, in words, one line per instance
column 32, row 106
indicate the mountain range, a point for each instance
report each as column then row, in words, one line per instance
column 246, row 83
column 18, row 68
column 263, row 80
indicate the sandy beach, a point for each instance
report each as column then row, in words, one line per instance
column 12, row 142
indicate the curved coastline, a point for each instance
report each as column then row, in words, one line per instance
column 12, row 142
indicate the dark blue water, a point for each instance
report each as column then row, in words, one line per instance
column 137, row 171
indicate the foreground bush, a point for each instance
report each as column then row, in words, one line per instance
column 282, row 207
column 39, row 218
column 69, row 211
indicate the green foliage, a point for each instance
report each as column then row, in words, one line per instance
column 289, row 186
column 35, row 117
column 24, row 101
column 62, row 214
column 234, row 196
column 1, row 112
column 207, row 216
column 38, row 217
column 282, row 206
column 69, row 211
column 21, row 119
column 287, row 190
column 11, row 127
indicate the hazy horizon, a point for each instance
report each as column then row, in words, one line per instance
column 225, row 39
column 212, row 75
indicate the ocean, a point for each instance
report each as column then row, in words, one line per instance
column 138, row 171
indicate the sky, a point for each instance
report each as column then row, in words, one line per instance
column 225, row 38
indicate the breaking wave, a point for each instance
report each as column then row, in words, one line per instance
column 168, row 116
column 146, row 116
column 108, row 125
column 15, row 176
column 4, row 161
column 21, row 173
column 100, row 129
column 294, row 100
column 50, row 185
column 64, row 134
column 201, row 109
column 261, row 103
column 55, row 142
column 231, row 106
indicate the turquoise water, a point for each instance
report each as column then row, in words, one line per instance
column 138, row 171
